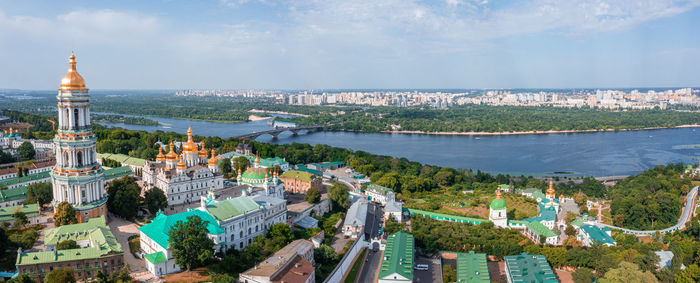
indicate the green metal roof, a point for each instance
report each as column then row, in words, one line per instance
column 232, row 207
column 267, row 162
column 379, row 189
column 504, row 186
column 398, row 256
column 329, row 164
column 307, row 169
column 577, row 222
column 299, row 175
column 472, row 267
column 540, row 229
column 13, row 194
column 597, row 235
column 23, row 179
column 74, row 232
column 527, row 268
column 123, row 159
column 447, row 217
column 498, row 204
column 254, row 173
column 159, row 228
column 117, row 172
column 103, row 243
column 156, row 258
column 30, row 210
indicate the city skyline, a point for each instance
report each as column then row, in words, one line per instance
column 353, row 44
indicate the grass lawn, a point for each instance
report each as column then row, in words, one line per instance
column 355, row 267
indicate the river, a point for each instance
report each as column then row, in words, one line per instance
column 578, row 154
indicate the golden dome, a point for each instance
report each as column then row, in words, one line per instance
column 160, row 156
column 171, row 156
column 189, row 146
column 203, row 152
column 72, row 80
column 213, row 161
column 181, row 164
column 550, row 191
column 257, row 160
column 498, row 193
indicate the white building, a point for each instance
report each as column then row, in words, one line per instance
column 260, row 181
column 379, row 194
column 354, row 225
column 393, row 209
column 184, row 179
column 497, row 211
column 232, row 223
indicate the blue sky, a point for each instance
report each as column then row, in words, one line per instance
column 314, row 44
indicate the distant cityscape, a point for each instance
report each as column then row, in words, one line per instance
column 608, row 99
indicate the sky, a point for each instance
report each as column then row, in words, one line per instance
column 335, row 44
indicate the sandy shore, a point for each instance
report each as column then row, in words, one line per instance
column 257, row 118
column 530, row 132
column 278, row 112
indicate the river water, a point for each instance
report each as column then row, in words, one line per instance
column 580, row 154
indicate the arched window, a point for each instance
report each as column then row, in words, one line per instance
column 65, row 158
column 66, row 119
column 80, row 158
column 76, row 118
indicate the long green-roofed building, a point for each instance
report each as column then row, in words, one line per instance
column 472, row 268
column 397, row 261
column 99, row 251
column 12, row 197
column 29, row 210
column 527, row 268
column 446, row 217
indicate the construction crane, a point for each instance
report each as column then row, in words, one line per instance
column 53, row 124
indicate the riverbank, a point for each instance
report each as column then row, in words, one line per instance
column 532, row 132
column 278, row 112
column 257, row 118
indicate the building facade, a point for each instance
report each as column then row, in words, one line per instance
column 184, row 178
column 497, row 211
column 298, row 182
column 77, row 178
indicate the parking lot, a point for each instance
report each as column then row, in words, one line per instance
column 434, row 272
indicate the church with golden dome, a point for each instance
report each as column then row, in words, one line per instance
column 186, row 176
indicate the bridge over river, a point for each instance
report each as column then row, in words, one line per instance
column 277, row 131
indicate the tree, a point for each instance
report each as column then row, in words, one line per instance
column 241, row 163
column 65, row 214
column 222, row 278
column 583, row 275
column 67, row 245
column 189, row 242
column 449, row 274
column 391, row 226
column 21, row 278
column 225, row 165
column 20, row 219
column 124, row 197
column 580, row 199
column 312, row 195
column 26, row 151
column 41, row 193
column 155, row 200
column 60, row 275
column 6, row 157
column 570, row 231
column 570, row 217
column 325, row 253
column 338, row 193
column 121, row 276
column 628, row 272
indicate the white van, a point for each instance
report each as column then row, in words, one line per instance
column 421, row 267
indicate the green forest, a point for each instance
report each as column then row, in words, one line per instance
column 479, row 118
column 113, row 118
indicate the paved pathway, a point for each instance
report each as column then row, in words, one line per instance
column 687, row 210
column 122, row 229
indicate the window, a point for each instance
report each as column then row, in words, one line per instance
column 76, row 117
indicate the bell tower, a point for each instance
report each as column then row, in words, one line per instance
column 77, row 178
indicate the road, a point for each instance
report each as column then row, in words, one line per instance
column 370, row 267
column 122, row 229
column 434, row 272
column 687, row 210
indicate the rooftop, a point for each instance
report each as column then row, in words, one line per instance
column 298, row 175
column 472, row 267
column 357, row 213
column 123, row 159
column 528, row 268
column 13, row 194
column 597, row 235
column 30, row 210
column 540, row 229
column 398, row 256
column 231, row 207
column 448, row 217
column 379, row 189
column 23, row 179
column 102, row 243
column 159, row 228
